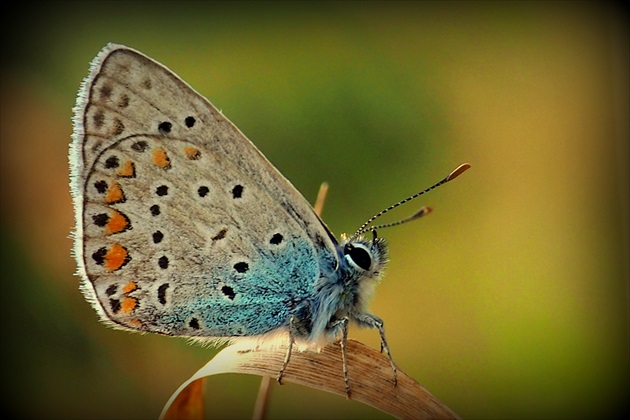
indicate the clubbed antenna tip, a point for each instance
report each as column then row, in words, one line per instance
column 458, row 171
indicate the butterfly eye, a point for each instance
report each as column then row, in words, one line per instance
column 358, row 255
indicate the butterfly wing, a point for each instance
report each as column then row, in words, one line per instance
column 182, row 226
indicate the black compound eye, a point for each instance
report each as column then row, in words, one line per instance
column 359, row 255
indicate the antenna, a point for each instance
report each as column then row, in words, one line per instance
column 422, row 212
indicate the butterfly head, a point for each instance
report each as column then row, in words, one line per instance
column 366, row 256
column 364, row 262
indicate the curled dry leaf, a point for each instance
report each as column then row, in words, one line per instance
column 189, row 403
column 371, row 378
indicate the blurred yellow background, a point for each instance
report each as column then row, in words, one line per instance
column 509, row 301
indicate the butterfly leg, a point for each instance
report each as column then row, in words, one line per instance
column 373, row 321
column 287, row 356
column 344, row 355
column 343, row 325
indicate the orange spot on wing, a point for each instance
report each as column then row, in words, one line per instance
column 192, row 153
column 117, row 223
column 130, row 287
column 128, row 304
column 116, row 257
column 127, row 170
column 114, row 194
column 160, row 158
column 135, row 323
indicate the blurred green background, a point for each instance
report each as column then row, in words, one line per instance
column 509, row 301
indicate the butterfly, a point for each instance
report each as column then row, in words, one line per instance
column 184, row 228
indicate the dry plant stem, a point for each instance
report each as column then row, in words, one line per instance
column 371, row 379
column 321, row 198
column 262, row 400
